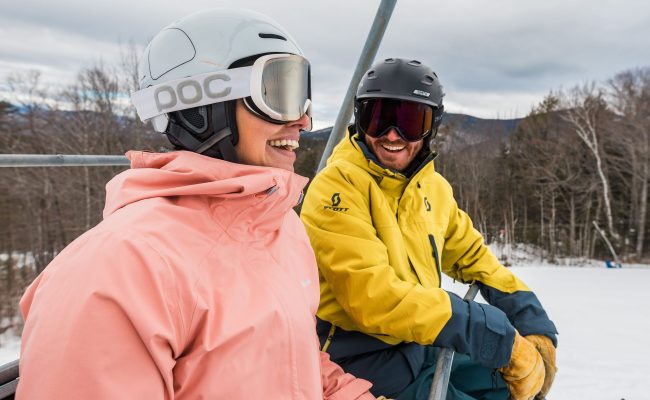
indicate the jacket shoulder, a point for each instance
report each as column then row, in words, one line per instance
column 432, row 179
column 343, row 171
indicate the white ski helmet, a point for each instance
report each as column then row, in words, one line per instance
column 187, row 69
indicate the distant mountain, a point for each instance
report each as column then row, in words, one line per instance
column 479, row 127
column 459, row 131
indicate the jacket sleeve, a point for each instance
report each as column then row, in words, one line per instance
column 338, row 385
column 466, row 258
column 100, row 323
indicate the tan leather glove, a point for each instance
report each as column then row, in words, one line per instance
column 524, row 375
column 545, row 347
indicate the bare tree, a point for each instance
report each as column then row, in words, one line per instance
column 630, row 93
column 585, row 108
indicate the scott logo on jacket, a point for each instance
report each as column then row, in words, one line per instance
column 336, row 200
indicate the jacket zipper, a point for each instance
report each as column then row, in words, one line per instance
column 436, row 259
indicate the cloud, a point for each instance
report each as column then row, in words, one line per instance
column 493, row 58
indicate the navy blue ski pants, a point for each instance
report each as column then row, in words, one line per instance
column 405, row 372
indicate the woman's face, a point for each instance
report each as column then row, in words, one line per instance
column 265, row 144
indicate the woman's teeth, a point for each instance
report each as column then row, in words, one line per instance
column 288, row 144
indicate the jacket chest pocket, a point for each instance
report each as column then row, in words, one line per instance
column 424, row 245
column 436, row 258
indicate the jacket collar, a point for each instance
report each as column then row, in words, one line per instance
column 247, row 200
column 353, row 149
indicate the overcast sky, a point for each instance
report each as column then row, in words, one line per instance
column 494, row 58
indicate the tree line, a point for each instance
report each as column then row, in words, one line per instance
column 44, row 209
column 578, row 163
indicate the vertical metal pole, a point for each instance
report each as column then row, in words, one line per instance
column 443, row 363
column 365, row 61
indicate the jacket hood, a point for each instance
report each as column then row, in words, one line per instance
column 184, row 173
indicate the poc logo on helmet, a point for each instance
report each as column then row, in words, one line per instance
column 189, row 91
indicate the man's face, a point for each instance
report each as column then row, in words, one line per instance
column 393, row 151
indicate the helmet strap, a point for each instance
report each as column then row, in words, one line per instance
column 220, row 143
column 226, row 144
column 182, row 136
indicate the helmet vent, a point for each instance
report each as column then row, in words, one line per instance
column 371, row 74
column 373, row 90
column 390, row 61
column 271, row 36
column 414, row 63
column 427, row 80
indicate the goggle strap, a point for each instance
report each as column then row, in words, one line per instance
column 208, row 88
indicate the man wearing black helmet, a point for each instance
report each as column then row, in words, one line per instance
column 385, row 226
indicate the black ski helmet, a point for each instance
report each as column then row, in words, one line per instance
column 403, row 79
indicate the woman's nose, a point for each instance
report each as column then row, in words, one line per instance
column 302, row 123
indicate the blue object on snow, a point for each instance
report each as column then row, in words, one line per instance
column 612, row 264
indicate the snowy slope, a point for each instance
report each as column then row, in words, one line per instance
column 603, row 316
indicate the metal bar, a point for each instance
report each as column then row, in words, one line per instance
column 368, row 54
column 60, row 160
column 8, row 371
column 443, row 363
column 8, row 390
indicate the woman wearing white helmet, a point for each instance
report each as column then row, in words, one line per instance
column 200, row 281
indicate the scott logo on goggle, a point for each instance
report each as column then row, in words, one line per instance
column 180, row 92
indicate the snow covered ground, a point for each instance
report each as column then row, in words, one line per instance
column 603, row 316
column 9, row 347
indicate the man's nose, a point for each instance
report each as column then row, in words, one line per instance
column 392, row 135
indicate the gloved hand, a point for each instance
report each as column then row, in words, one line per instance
column 545, row 347
column 524, row 375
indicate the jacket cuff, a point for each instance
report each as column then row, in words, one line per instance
column 523, row 310
column 479, row 330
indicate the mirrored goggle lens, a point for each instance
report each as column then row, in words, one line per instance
column 286, row 87
column 412, row 120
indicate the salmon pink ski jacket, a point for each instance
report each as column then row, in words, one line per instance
column 199, row 283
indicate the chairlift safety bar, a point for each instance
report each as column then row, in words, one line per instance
column 61, row 160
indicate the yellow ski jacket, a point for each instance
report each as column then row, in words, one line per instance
column 382, row 241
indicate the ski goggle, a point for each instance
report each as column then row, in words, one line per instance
column 278, row 85
column 412, row 120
